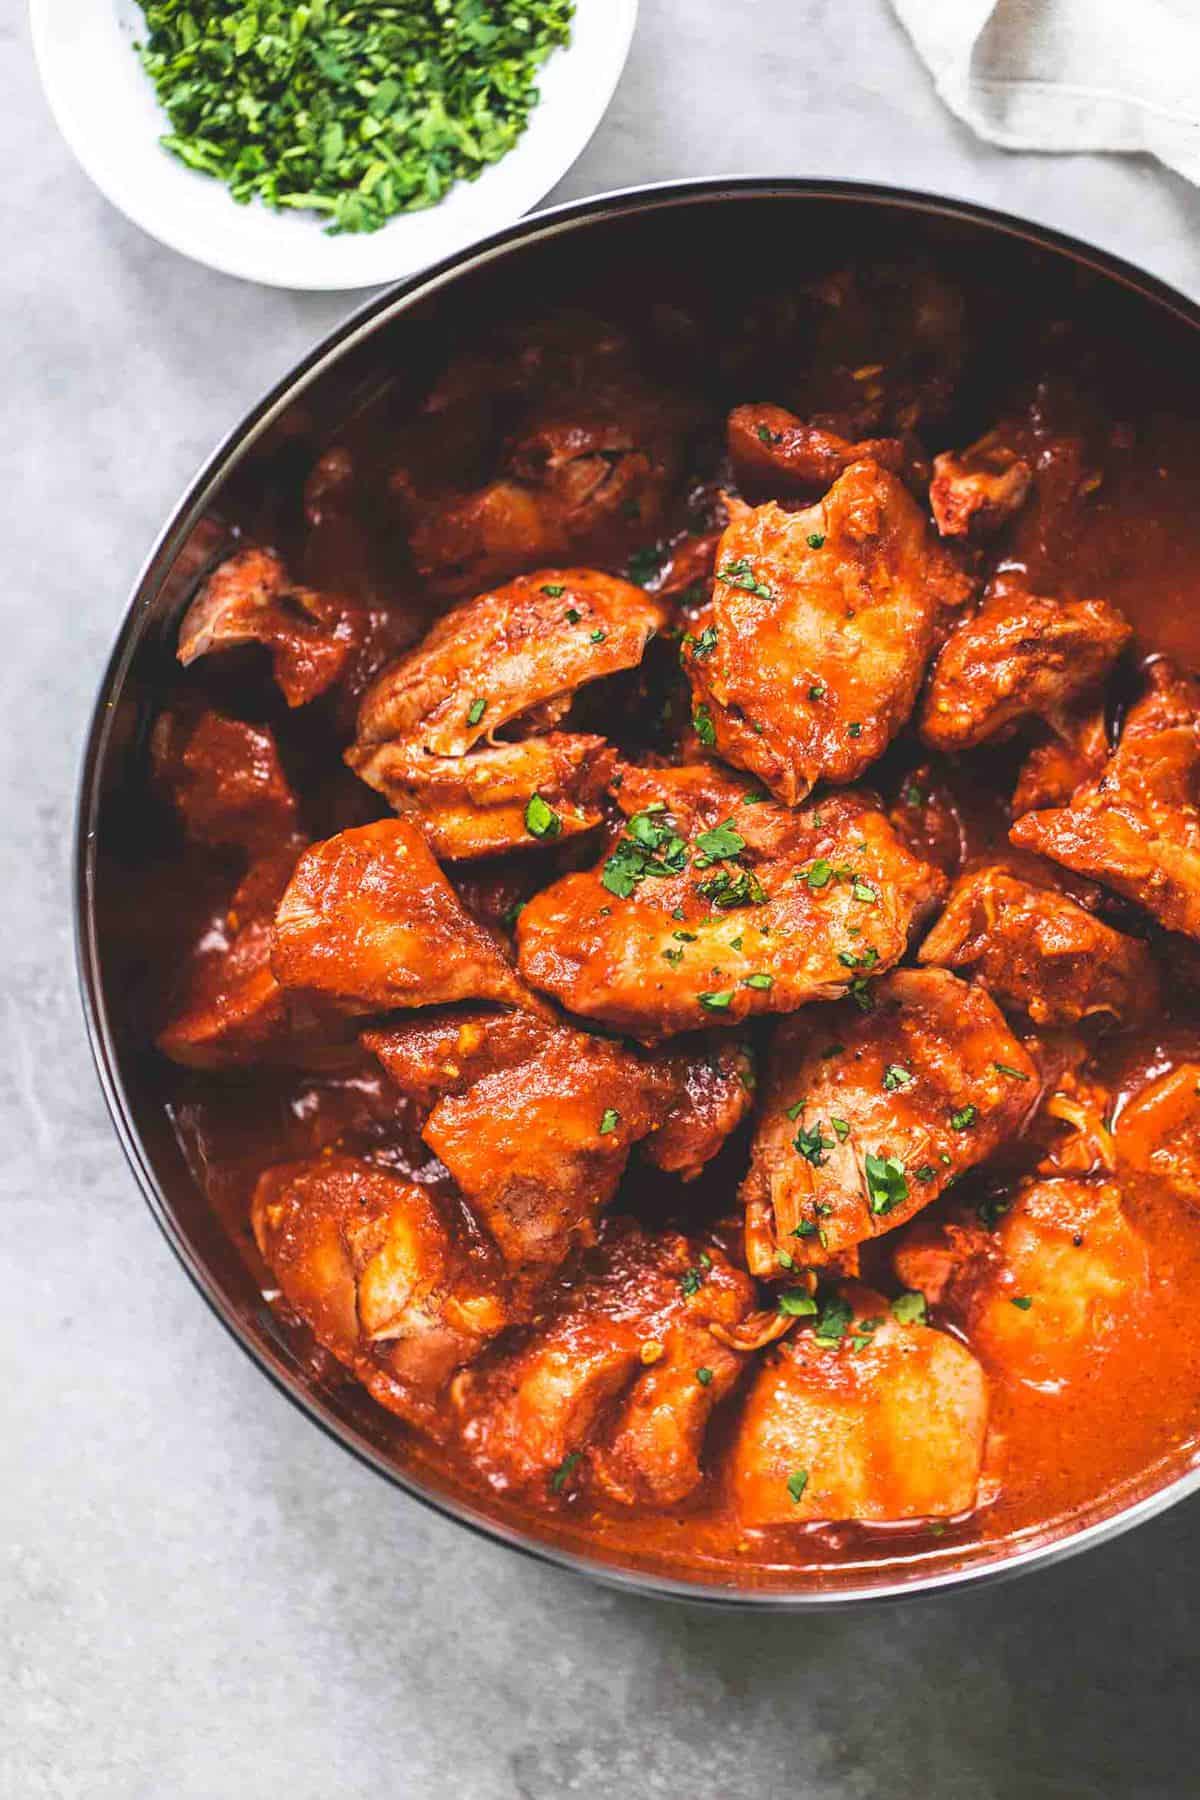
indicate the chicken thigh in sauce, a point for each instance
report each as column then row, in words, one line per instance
column 683, row 984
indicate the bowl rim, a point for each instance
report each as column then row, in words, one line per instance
column 311, row 263
column 359, row 325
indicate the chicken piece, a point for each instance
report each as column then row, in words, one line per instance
column 370, row 922
column 249, row 599
column 713, row 1079
column 534, row 1120
column 387, row 1275
column 976, row 491
column 822, row 623
column 1035, row 950
column 863, row 1418
column 775, row 454
column 1136, row 827
column 229, row 1011
column 1040, row 1297
column 515, row 653
column 529, row 1414
column 225, row 781
column 479, row 805
column 866, row 1116
column 711, row 908
column 1157, row 1132
column 1020, row 657
column 1052, row 771
column 588, row 472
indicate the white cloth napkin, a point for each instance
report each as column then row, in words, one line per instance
column 1068, row 74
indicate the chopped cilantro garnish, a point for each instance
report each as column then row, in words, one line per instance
column 704, row 1376
column 926, row 1172
column 785, row 1259
column 762, row 982
column 820, row 875
column 841, row 1129
column 1014, row 1074
column 727, row 891
column 564, row 1471
column 854, row 730
column 739, row 574
column 701, row 646
column 651, row 847
column 555, row 590
column 706, row 731
column 909, row 1307
column 817, row 691
column 572, row 615
column 716, row 1002
column 797, row 1303
column 834, row 1321
column 812, row 1145
column 861, row 994
column 964, row 1117
column 1024, row 1301
column 897, row 1079
column 541, row 821
column 886, row 1183
column 815, row 539
column 797, row 1481
column 674, row 957
column 793, row 1112
column 476, row 711
column 609, row 1120
column 718, row 843
column 349, row 114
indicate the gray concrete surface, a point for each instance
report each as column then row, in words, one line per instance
column 200, row 1597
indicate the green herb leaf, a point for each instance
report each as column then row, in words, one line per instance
column 716, row 1002
column 1013, row 1074
column 797, row 1303
column 704, row 1377
column 796, row 1483
column 909, row 1307
column 964, row 1118
column 816, row 539
column 476, row 711
column 1024, row 1301
column 564, row 1471
column 739, row 574
column 352, row 113
column 897, row 1079
column 706, row 731
column 541, row 821
column 762, row 982
column 609, row 1120
column 887, row 1186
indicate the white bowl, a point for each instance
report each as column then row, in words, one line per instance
column 106, row 109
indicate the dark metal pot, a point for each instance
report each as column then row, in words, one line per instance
column 552, row 254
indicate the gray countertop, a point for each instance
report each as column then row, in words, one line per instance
column 200, row 1595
